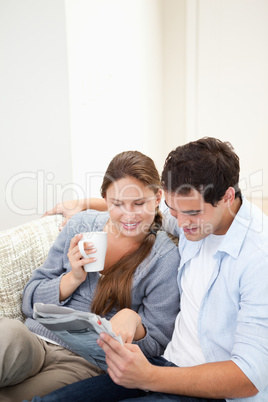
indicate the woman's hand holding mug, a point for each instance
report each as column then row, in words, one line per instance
column 77, row 260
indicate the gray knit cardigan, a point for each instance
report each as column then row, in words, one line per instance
column 155, row 295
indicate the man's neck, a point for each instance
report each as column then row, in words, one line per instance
column 232, row 211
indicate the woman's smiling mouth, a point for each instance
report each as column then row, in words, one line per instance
column 130, row 226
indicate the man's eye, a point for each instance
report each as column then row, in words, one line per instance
column 117, row 205
column 140, row 203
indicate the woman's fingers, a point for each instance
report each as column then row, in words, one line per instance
column 77, row 260
column 88, row 246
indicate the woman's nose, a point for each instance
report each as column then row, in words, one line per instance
column 129, row 211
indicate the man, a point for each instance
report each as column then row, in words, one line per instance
column 219, row 348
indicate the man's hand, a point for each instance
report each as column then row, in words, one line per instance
column 127, row 365
column 67, row 209
column 72, row 207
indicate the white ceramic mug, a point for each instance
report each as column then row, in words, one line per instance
column 99, row 240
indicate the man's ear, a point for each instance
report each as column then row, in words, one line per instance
column 229, row 196
column 158, row 197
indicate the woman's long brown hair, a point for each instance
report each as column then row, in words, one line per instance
column 114, row 288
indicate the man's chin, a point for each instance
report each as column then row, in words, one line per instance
column 194, row 235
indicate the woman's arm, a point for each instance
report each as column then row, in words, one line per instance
column 43, row 286
column 73, row 279
column 127, row 323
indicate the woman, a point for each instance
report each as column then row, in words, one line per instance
column 136, row 291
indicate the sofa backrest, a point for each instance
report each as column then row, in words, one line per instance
column 22, row 249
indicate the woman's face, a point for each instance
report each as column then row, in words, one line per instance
column 131, row 206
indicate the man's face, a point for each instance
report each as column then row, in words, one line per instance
column 197, row 218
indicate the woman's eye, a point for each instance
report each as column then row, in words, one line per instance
column 140, row 203
column 117, row 205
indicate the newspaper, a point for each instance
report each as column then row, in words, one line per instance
column 78, row 329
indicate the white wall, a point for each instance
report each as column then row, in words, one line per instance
column 115, row 74
column 227, row 81
column 34, row 125
column 81, row 80
column 174, row 69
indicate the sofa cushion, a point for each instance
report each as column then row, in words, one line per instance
column 22, row 249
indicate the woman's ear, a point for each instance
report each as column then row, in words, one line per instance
column 105, row 199
column 158, row 197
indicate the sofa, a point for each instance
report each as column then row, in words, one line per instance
column 22, row 249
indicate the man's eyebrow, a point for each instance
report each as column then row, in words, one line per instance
column 192, row 211
column 189, row 212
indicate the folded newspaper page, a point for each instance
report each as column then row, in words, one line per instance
column 78, row 329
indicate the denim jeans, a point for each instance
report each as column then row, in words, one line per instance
column 103, row 389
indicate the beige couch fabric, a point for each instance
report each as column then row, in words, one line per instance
column 22, row 249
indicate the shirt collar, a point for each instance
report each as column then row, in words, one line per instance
column 236, row 233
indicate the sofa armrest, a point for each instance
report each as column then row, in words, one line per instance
column 22, row 249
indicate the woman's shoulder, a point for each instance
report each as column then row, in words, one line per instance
column 165, row 243
column 164, row 257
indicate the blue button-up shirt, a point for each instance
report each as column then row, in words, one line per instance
column 233, row 317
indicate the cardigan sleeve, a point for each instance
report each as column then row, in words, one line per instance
column 43, row 286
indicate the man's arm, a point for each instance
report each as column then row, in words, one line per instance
column 72, row 207
column 130, row 368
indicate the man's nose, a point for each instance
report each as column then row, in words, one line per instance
column 183, row 221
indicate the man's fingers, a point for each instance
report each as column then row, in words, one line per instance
column 54, row 211
column 63, row 223
column 123, row 361
column 114, row 351
column 114, row 369
column 112, row 348
column 131, row 347
column 49, row 212
column 108, row 343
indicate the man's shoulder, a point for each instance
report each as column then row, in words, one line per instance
column 257, row 233
column 259, row 221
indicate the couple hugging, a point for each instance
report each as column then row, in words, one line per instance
column 193, row 319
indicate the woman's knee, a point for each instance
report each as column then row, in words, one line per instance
column 12, row 332
column 21, row 353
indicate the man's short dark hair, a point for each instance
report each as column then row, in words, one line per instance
column 207, row 165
